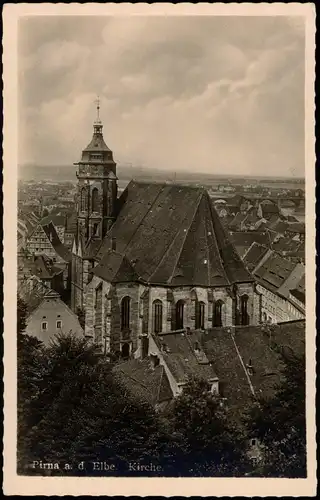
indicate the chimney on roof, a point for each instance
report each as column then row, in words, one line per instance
column 113, row 243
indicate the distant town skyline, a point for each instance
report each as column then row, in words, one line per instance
column 218, row 95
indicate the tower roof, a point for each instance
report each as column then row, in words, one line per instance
column 97, row 142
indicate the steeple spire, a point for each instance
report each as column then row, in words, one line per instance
column 97, row 101
column 97, row 126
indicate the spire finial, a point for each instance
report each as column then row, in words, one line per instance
column 97, row 101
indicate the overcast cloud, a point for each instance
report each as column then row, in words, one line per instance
column 210, row 94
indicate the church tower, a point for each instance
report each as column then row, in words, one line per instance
column 97, row 186
column 96, row 199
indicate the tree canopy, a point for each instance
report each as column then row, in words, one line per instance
column 280, row 422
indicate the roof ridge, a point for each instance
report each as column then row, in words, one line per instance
column 159, row 385
column 165, row 253
column 185, row 235
column 211, row 208
column 242, row 364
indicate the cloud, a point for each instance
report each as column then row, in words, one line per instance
column 211, row 94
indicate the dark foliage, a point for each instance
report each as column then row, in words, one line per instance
column 280, row 425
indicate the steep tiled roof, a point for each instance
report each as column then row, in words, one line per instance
column 174, row 236
column 238, row 219
column 269, row 208
column 57, row 220
column 143, row 381
column 278, row 226
column 42, row 266
column 253, row 256
column 91, row 248
column 58, row 246
column 287, row 245
column 274, row 271
column 178, row 351
column 115, row 267
column 296, row 227
column 231, row 349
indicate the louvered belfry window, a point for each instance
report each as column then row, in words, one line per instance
column 157, row 316
column 125, row 313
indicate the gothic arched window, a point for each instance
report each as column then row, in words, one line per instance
column 199, row 313
column 244, row 316
column 217, row 313
column 125, row 313
column 157, row 316
column 95, row 200
column 179, row 314
column 83, row 198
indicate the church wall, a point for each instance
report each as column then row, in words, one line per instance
column 248, row 289
column 118, row 338
column 185, row 294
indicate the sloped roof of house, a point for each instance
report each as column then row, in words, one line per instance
column 42, row 266
column 32, row 292
column 57, row 220
column 287, row 245
column 296, row 227
column 61, row 250
column 179, row 353
column 143, row 381
column 269, row 208
column 243, row 240
column 231, row 350
column 237, row 200
column 279, row 226
column 237, row 220
column 174, row 236
column 253, row 256
column 279, row 274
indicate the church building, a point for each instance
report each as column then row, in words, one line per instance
column 156, row 259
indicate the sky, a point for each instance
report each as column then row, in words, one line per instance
column 219, row 95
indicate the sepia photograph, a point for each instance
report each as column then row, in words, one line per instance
column 162, row 263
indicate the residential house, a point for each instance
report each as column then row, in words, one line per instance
column 276, row 276
column 51, row 316
column 268, row 210
column 58, row 222
column 240, row 365
column 41, row 267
